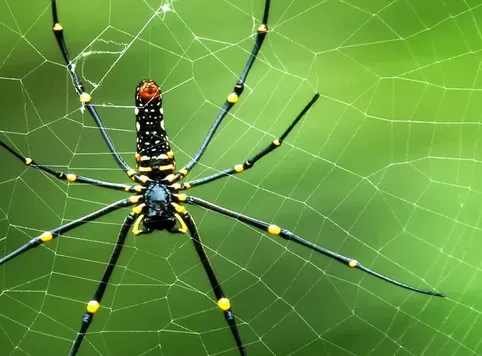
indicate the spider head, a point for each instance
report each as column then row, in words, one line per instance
column 148, row 91
column 156, row 218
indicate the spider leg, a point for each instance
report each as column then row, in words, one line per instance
column 94, row 305
column 288, row 235
column 86, row 99
column 251, row 161
column 72, row 177
column 230, row 100
column 223, row 303
column 52, row 234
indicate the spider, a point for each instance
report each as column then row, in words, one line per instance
column 157, row 201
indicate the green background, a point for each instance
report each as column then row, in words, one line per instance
column 386, row 168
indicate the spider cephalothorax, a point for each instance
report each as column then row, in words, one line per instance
column 157, row 204
column 158, row 212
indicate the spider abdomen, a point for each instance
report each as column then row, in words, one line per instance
column 153, row 152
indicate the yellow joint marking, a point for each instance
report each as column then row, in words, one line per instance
column 46, row 236
column 277, row 142
column 274, row 229
column 138, row 157
column 181, row 197
column 184, row 171
column 170, row 177
column 248, row 163
column 233, row 98
column 224, row 304
column 145, row 169
column 131, row 172
column 170, row 154
column 263, row 28
column 138, row 188
column 85, row 97
column 135, row 198
column 138, row 209
column 176, row 186
column 179, row 208
column 58, row 27
column 143, row 179
column 353, row 263
column 127, row 188
column 93, row 306
column 71, row 177
column 135, row 228
column 166, row 167
column 28, row 160
column 145, row 158
column 239, row 86
column 187, row 185
column 238, row 168
column 181, row 222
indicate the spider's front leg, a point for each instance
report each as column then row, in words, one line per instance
column 86, row 99
column 94, row 304
column 230, row 100
column 249, row 163
column 223, row 303
column 70, row 177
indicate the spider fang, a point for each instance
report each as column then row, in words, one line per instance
column 181, row 222
column 135, row 228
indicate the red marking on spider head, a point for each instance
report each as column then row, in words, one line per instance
column 148, row 90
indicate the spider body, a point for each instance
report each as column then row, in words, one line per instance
column 157, row 202
column 154, row 156
column 159, row 211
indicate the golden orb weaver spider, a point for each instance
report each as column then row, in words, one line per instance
column 156, row 200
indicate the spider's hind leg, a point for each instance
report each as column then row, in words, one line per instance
column 94, row 305
column 222, row 301
column 288, row 235
column 249, row 163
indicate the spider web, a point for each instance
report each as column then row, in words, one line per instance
column 386, row 168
